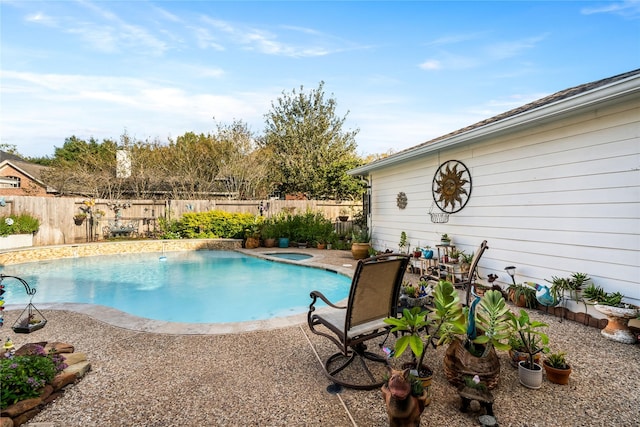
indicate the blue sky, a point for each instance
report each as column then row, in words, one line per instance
column 406, row 72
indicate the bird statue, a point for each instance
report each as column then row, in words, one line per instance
column 472, row 332
column 543, row 295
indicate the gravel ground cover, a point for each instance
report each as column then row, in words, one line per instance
column 274, row 378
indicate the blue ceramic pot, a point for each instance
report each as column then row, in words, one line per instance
column 283, row 242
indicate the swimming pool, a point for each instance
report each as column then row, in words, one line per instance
column 193, row 287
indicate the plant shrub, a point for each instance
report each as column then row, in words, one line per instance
column 18, row 224
column 24, row 376
column 209, row 225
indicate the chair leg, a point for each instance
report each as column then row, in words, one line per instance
column 356, row 352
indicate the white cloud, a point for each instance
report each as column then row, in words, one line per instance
column 627, row 9
column 431, row 64
column 41, row 18
column 44, row 109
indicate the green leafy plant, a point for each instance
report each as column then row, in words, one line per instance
column 568, row 285
column 557, row 360
column 474, row 382
column 524, row 291
column 466, row 258
column 403, row 241
column 530, row 334
column 411, row 323
column 18, row 224
column 598, row 295
column 24, row 376
column 410, row 290
column 490, row 317
column 360, row 236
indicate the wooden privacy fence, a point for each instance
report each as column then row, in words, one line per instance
column 57, row 224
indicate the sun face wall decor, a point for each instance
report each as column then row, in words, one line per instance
column 451, row 187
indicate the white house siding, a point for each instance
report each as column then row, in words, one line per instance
column 551, row 200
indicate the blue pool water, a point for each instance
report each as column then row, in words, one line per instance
column 194, row 287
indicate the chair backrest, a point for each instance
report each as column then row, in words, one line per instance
column 473, row 269
column 375, row 288
column 476, row 259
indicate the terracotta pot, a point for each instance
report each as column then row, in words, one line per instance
column 251, row 243
column 557, row 376
column 269, row 243
column 360, row 250
column 321, row 246
column 459, row 362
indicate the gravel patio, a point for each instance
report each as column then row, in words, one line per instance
column 271, row 375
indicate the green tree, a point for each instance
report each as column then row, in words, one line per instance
column 307, row 144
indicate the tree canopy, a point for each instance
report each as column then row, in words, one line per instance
column 310, row 152
column 304, row 150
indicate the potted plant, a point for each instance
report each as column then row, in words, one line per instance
column 417, row 252
column 79, row 218
column 445, row 240
column 427, row 252
column 470, row 351
column 522, row 295
column 563, row 288
column 402, row 244
column 454, row 255
column 414, row 325
column 465, row 261
column 269, row 233
column 360, row 243
column 344, row 214
column 557, row 368
column 418, row 332
column 517, row 351
column 418, row 295
column 252, row 235
column 534, row 341
column 284, row 223
column 618, row 313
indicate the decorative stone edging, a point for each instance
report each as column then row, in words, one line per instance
column 43, row 253
column 77, row 366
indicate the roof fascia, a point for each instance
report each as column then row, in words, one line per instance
column 587, row 100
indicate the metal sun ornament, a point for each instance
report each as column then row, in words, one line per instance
column 451, row 187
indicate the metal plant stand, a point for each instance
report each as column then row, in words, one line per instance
column 31, row 319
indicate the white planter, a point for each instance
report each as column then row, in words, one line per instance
column 13, row 241
column 530, row 378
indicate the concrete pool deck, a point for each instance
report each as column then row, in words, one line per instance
column 273, row 377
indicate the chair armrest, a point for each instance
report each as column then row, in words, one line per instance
column 316, row 294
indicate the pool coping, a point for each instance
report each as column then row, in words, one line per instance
column 128, row 321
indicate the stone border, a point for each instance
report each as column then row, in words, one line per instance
column 43, row 253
